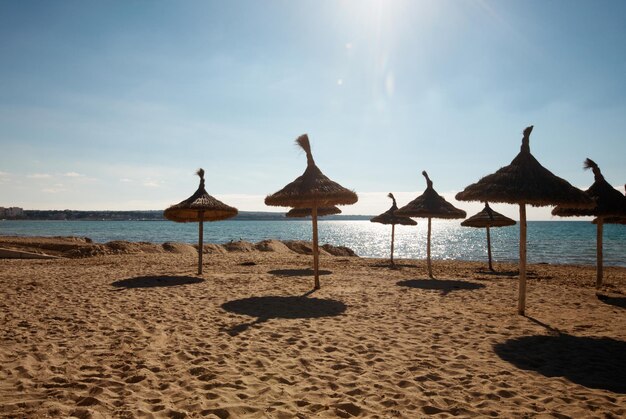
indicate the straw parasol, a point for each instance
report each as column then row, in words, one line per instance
column 199, row 207
column 312, row 190
column 388, row 217
column 612, row 220
column 522, row 182
column 488, row 218
column 430, row 205
column 608, row 202
column 306, row 212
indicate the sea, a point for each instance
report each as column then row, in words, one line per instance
column 553, row 242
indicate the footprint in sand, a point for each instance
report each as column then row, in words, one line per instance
column 355, row 392
column 88, row 401
column 197, row 371
column 96, row 391
column 346, row 410
column 211, row 396
column 432, row 410
column 220, row 413
column 81, row 413
column 135, row 379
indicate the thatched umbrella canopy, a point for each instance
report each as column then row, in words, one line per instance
column 608, row 202
column 430, row 205
column 612, row 220
column 199, row 207
column 306, row 212
column 486, row 219
column 389, row 217
column 522, row 182
column 312, row 190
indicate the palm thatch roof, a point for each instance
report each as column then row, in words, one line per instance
column 488, row 218
column 611, row 220
column 608, row 200
column 306, row 212
column 522, row 182
column 199, row 207
column 430, row 205
column 389, row 216
column 525, row 181
column 312, row 188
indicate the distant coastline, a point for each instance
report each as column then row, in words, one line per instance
column 155, row 215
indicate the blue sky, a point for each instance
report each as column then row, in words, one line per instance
column 114, row 104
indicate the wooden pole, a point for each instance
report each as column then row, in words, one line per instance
column 200, row 244
column 393, row 228
column 315, row 248
column 489, row 248
column 599, row 268
column 521, row 305
column 430, row 268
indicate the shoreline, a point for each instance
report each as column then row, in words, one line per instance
column 79, row 247
column 553, row 242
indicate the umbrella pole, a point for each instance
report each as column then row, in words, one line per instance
column 200, row 240
column 521, row 306
column 489, row 248
column 393, row 227
column 315, row 248
column 430, row 268
column 599, row 268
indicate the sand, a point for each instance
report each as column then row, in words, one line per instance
column 133, row 332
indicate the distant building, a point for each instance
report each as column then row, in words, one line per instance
column 11, row 212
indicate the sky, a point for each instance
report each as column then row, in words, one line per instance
column 115, row 104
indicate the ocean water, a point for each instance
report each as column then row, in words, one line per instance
column 555, row 242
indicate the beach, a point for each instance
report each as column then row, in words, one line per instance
column 129, row 330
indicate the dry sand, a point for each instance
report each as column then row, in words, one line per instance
column 133, row 332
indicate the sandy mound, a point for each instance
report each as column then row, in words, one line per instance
column 179, row 248
column 302, row 247
column 125, row 247
column 55, row 246
column 239, row 246
column 86, row 251
column 82, row 247
column 212, row 248
column 272, row 246
column 22, row 254
column 338, row 250
column 116, row 247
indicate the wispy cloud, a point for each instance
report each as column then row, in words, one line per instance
column 59, row 187
column 151, row 184
column 73, row 174
column 39, row 176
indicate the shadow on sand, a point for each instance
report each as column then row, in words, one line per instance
column 156, row 281
column 297, row 272
column 591, row 362
column 273, row 307
column 486, row 271
column 395, row 266
column 444, row 285
column 612, row 300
